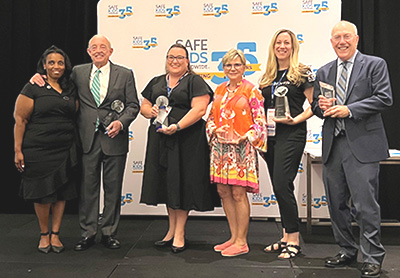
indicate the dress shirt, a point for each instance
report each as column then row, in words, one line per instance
column 349, row 66
column 104, row 79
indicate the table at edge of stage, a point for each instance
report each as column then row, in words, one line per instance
column 315, row 157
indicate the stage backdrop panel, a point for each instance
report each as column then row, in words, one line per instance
column 142, row 31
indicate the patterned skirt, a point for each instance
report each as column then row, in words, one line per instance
column 234, row 165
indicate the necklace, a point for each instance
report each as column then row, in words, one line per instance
column 233, row 91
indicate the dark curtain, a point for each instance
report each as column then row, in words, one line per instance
column 378, row 26
column 29, row 27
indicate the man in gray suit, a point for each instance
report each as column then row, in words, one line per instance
column 354, row 141
column 108, row 104
column 104, row 139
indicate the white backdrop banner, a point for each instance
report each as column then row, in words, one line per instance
column 142, row 31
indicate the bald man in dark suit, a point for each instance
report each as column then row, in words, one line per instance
column 354, row 141
column 104, row 144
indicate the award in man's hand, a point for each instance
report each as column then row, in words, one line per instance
column 327, row 90
column 117, row 106
column 161, row 120
column 281, row 102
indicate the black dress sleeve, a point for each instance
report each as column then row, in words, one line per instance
column 154, row 88
column 310, row 78
column 198, row 87
column 29, row 91
column 146, row 93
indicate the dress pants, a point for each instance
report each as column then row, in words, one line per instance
column 283, row 159
column 346, row 179
column 113, row 170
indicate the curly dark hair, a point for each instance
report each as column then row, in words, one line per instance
column 64, row 80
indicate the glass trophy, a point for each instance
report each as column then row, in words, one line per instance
column 281, row 102
column 161, row 120
column 117, row 106
column 327, row 90
column 229, row 136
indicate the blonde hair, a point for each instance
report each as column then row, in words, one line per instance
column 297, row 72
column 232, row 54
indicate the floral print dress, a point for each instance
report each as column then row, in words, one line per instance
column 237, row 164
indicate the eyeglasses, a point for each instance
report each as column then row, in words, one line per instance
column 229, row 66
column 178, row 58
column 346, row 37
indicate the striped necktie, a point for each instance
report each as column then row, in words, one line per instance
column 95, row 89
column 341, row 96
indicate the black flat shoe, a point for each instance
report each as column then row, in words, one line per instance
column 85, row 243
column 163, row 243
column 369, row 270
column 57, row 249
column 340, row 260
column 46, row 249
column 177, row 250
column 110, row 242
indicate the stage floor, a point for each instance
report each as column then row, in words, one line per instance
column 19, row 235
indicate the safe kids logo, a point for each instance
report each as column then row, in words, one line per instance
column 259, row 200
column 209, row 9
column 317, row 203
column 139, row 43
column 316, row 7
column 198, row 52
column 126, row 199
column 137, row 166
column 301, row 168
column 258, row 8
column 300, row 38
column 202, row 60
column 249, row 49
column 121, row 13
column 163, row 11
column 131, row 136
column 313, row 137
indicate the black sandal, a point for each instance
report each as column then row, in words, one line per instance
column 281, row 245
column 292, row 254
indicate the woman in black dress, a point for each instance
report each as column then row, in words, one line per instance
column 177, row 164
column 44, row 144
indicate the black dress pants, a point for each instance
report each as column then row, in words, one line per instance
column 283, row 160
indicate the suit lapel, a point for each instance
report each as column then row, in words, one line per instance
column 86, row 72
column 358, row 65
column 332, row 74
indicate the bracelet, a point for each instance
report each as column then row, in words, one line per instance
column 178, row 127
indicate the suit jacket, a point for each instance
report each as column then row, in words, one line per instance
column 368, row 94
column 121, row 87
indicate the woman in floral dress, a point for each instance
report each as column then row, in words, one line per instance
column 237, row 129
